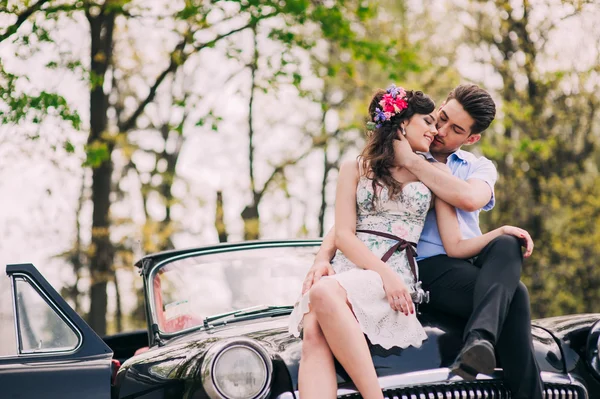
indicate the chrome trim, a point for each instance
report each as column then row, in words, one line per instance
column 556, row 378
column 152, row 273
column 442, row 375
column 582, row 387
column 216, row 350
column 53, row 306
column 13, row 290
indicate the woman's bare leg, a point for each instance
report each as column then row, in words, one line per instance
column 316, row 377
column 344, row 336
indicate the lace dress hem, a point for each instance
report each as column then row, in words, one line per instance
column 407, row 332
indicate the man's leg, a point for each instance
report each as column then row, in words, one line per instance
column 460, row 288
column 450, row 283
column 500, row 265
column 515, row 349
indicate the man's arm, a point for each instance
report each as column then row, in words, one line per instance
column 469, row 195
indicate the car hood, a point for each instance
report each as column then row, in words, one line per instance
column 181, row 357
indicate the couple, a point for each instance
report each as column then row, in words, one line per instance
column 388, row 200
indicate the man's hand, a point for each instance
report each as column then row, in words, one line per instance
column 403, row 152
column 318, row 270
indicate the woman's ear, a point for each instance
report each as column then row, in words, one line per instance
column 403, row 127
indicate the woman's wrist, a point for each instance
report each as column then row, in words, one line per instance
column 384, row 271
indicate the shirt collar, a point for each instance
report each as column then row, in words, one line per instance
column 458, row 154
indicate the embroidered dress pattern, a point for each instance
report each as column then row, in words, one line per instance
column 404, row 217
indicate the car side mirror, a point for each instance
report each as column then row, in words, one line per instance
column 592, row 349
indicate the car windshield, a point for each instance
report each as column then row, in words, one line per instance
column 188, row 291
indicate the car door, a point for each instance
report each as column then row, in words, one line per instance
column 46, row 349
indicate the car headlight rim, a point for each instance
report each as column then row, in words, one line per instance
column 219, row 349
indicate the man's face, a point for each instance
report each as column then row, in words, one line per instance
column 454, row 129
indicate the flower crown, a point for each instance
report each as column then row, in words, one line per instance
column 392, row 103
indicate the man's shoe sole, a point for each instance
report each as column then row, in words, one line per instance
column 477, row 359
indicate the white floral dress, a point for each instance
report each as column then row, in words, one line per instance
column 403, row 217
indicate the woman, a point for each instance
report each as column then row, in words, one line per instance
column 380, row 211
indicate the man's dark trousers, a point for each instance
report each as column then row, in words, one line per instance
column 488, row 293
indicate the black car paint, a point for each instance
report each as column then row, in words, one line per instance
column 170, row 368
column 185, row 354
column 84, row 373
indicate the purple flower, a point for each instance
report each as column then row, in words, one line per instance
column 393, row 90
column 379, row 115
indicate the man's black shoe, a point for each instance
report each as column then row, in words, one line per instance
column 476, row 356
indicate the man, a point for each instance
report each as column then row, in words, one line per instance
column 485, row 290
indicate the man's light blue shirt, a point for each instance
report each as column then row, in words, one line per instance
column 466, row 166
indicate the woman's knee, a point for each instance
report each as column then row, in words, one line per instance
column 325, row 293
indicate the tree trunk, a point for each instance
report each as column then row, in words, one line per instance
column 220, row 218
column 101, row 29
column 251, row 222
column 323, row 208
column 250, row 214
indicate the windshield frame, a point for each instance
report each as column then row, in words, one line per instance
column 153, row 325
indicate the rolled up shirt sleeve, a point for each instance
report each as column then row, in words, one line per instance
column 485, row 170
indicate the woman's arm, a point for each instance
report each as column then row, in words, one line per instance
column 457, row 247
column 345, row 222
column 355, row 250
column 322, row 263
column 327, row 248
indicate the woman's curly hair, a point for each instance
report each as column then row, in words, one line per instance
column 378, row 155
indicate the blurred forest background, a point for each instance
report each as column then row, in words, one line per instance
column 133, row 126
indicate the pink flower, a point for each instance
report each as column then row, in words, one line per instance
column 399, row 231
column 389, row 108
column 388, row 115
column 388, row 99
column 401, row 103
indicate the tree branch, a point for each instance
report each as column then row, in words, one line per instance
column 21, row 19
column 130, row 122
column 174, row 64
column 279, row 169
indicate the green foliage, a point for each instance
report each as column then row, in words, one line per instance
column 545, row 148
column 20, row 107
column 96, row 153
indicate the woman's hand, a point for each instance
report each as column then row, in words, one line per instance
column 523, row 236
column 314, row 274
column 397, row 292
column 403, row 152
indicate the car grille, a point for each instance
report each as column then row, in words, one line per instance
column 475, row 390
column 563, row 392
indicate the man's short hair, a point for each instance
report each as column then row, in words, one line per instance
column 477, row 102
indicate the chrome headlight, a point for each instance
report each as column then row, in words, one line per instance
column 239, row 368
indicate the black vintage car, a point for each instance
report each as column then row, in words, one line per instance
column 217, row 328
